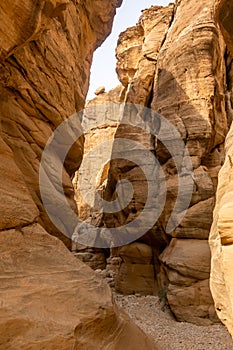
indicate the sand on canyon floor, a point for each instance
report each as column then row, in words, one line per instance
column 147, row 312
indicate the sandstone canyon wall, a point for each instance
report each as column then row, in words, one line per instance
column 175, row 62
column 45, row 61
column 221, row 231
column 48, row 298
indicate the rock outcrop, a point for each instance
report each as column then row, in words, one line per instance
column 189, row 91
column 221, row 236
column 173, row 61
column 92, row 176
column 48, row 298
column 135, row 273
column 46, row 53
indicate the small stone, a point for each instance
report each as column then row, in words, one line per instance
column 100, row 90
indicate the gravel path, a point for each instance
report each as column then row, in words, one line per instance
column 169, row 334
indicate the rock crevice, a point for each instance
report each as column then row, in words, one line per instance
column 49, row 299
column 173, row 61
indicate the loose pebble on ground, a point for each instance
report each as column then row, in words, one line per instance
column 169, row 334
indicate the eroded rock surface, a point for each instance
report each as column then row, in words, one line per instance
column 48, row 298
column 221, row 236
column 175, row 62
column 44, row 67
column 135, row 273
column 189, row 92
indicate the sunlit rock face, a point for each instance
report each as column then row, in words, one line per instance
column 48, row 298
column 51, row 300
column 174, row 62
column 221, row 236
column 99, row 126
column 189, row 91
column 46, row 53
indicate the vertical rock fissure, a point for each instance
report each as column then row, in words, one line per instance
column 229, row 86
column 49, row 299
column 172, row 62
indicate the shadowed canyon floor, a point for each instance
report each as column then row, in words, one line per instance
column 169, row 334
column 173, row 61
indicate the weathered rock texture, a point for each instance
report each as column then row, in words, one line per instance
column 221, row 236
column 46, row 52
column 92, row 176
column 189, row 92
column 51, row 300
column 135, row 272
column 98, row 128
column 175, row 62
column 48, row 298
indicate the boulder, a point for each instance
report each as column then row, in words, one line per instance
column 135, row 273
column 49, row 299
column 100, row 90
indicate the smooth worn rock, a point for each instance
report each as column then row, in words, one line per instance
column 136, row 272
column 175, row 62
column 94, row 259
column 191, row 226
column 16, row 207
column 183, row 79
column 49, row 299
column 221, row 235
column 187, row 265
column 100, row 90
column 45, row 58
column 137, row 52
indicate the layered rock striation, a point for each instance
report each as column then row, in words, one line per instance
column 174, row 61
column 48, row 298
column 222, row 232
column 46, row 53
